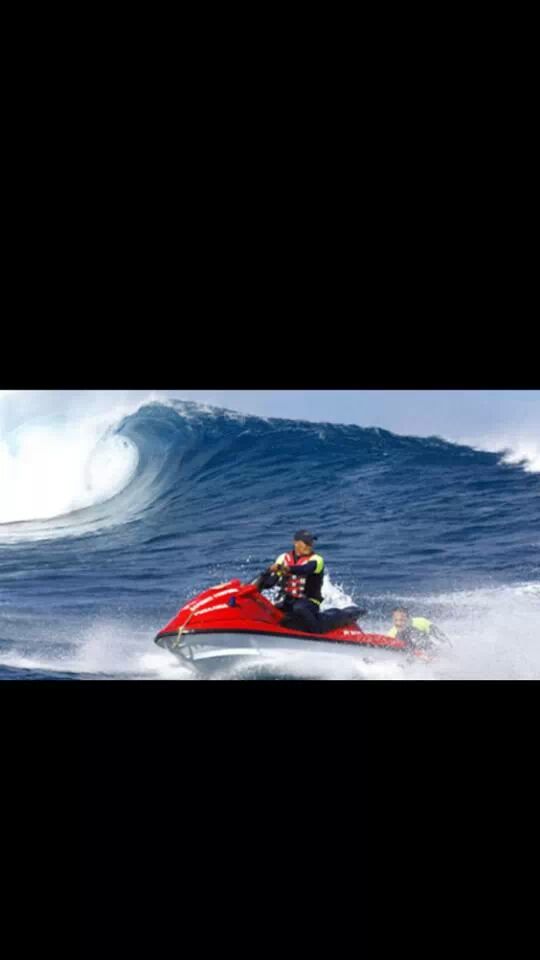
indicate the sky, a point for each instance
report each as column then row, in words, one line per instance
column 490, row 419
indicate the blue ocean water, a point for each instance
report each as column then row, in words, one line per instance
column 108, row 525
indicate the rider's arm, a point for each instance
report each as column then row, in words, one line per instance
column 266, row 580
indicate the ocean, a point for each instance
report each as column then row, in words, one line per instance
column 110, row 522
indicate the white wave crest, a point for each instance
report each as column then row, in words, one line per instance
column 520, row 447
column 526, row 451
column 49, row 468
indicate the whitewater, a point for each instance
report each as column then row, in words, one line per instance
column 113, row 513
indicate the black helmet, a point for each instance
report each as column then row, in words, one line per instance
column 305, row 536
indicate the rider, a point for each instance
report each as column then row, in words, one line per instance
column 415, row 631
column 299, row 574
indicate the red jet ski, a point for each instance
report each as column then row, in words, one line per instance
column 233, row 623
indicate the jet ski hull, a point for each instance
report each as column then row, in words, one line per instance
column 262, row 654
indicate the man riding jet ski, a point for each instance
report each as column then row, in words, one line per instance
column 233, row 622
column 299, row 575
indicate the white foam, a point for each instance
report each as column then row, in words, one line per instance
column 51, row 469
column 334, row 595
column 525, row 451
column 56, row 464
column 103, row 648
column 520, row 446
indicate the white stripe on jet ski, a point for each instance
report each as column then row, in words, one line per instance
column 229, row 652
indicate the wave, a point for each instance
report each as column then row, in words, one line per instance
column 61, row 477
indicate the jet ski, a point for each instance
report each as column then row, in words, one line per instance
column 233, row 624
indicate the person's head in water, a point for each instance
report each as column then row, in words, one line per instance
column 303, row 543
column 400, row 617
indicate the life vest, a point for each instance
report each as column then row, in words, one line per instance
column 294, row 585
column 416, row 623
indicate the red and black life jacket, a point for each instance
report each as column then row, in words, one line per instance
column 294, row 585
